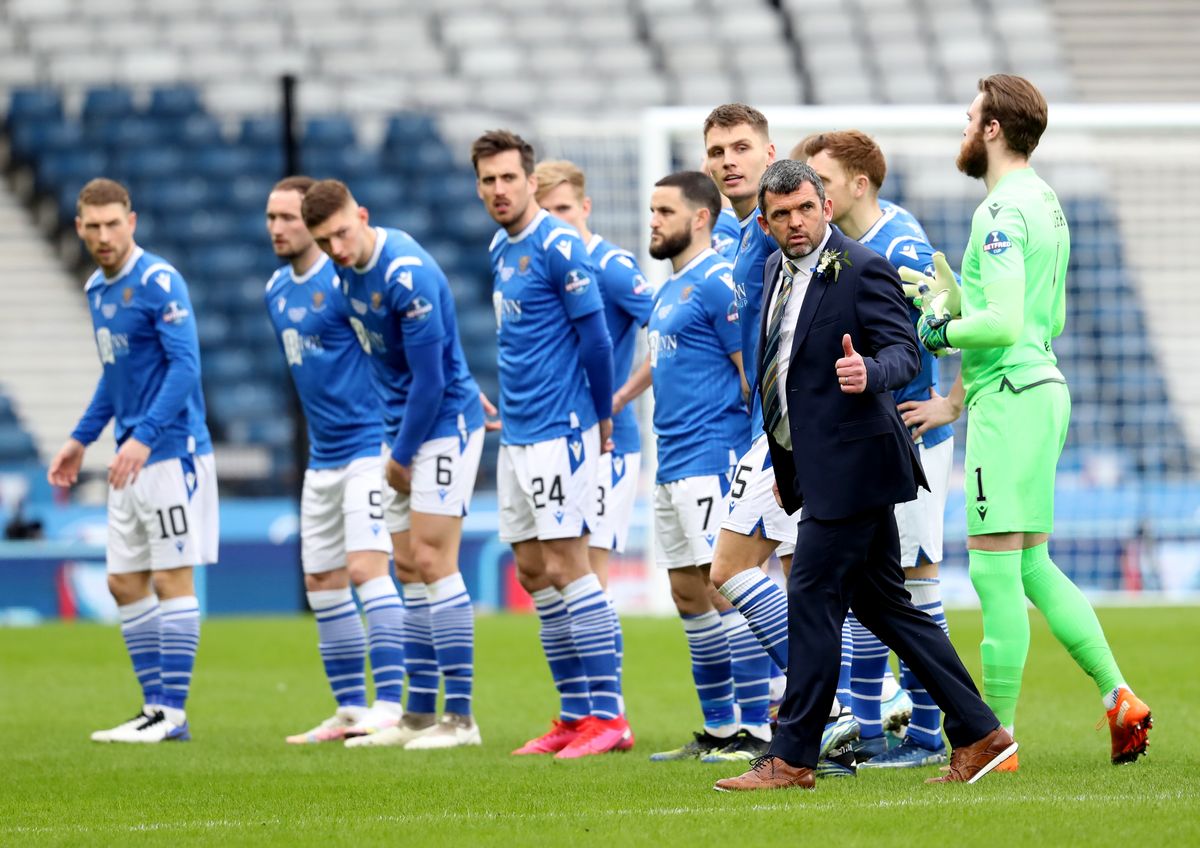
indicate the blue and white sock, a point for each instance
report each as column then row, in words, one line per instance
column 712, row 671
column 925, row 726
column 592, row 629
column 453, row 621
column 141, row 626
column 343, row 644
column 843, row 684
column 385, row 636
column 619, row 647
column 866, row 679
column 420, row 660
column 751, row 675
column 180, row 638
column 764, row 605
column 566, row 666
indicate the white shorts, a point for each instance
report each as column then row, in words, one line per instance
column 920, row 522
column 443, row 480
column 341, row 510
column 167, row 518
column 687, row 517
column 546, row 490
column 752, row 505
column 612, row 507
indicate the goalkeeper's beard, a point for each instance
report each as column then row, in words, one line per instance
column 973, row 157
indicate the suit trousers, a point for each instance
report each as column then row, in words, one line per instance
column 854, row 563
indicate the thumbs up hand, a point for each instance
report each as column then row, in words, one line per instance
column 851, row 370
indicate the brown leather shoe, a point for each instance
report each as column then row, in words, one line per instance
column 969, row 764
column 768, row 773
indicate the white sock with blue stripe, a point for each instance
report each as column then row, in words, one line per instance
column 592, row 631
column 180, row 639
column 420, row 659
column 925, row 726
column 343, row 644
column 141, row 627
column 866, row 679
column 764, row 605
column 712, row 671
column 566, row 666
column 385, row 636
column 751, row 675
column 454, row 640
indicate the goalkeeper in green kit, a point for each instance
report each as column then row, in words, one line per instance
column 1013, row 303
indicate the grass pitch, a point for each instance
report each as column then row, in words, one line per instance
column 257, row 680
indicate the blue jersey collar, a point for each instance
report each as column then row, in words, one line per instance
column 134, row 256
column 311, row 272
column 542, row 215
column 380, row 238
column 700, row 257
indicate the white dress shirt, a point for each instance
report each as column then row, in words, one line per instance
column 805, row 265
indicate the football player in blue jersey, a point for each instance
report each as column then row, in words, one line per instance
column 402, row 311
column 738, row 149
column 555, row 357
column 727, row 233
column 562, row 191
column 343, row 539
column 695, row 340
column 162, row 496
column 853, row 169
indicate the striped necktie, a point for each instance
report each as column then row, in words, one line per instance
column 772, row 407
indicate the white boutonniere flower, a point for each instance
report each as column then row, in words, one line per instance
column 833, row 260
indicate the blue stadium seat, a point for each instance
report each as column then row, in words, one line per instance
column 30, row 105
column 248, row 190
column 106, row 103
column 55, row 167
column 342, row 163
column 224, row 162
column 381, row 192
column 16, row 445
column 409, row 129
column 261, row 131
column 120, row 134
column 30, row 138
column 151, row 163
column 178, row 101
column 334, row 131
column 174, row 196
column 197, row 131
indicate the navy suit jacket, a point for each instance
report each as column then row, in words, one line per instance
column 850, row 452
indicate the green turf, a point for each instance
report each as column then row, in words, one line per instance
column 258, row 680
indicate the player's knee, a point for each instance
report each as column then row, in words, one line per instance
column 127, row 588
column 173, row 583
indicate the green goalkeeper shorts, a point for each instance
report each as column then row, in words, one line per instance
column 1014, row 439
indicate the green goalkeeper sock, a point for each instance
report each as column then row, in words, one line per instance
column 996, row 576
column 1071, row 618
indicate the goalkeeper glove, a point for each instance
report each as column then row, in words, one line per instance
column 932, row 332
column 938, row 294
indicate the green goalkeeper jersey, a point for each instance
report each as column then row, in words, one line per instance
column 1014, row 280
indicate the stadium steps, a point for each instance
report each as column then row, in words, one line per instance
column 50, row 366
column 1119, row 51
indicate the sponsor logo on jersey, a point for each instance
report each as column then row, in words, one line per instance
column 164, row 280
column 174, row 313
column 507, row 311
column 96, row 302
column 523, row 264
column 358, row 306
column 722, row 243
column 577, row 282
column 506, row 272
column 727, row 279
column 732, row 314
column 664, row 311
column 109, row 310
column 296, row 314
column 564, row 247
column 405, row 279
column 739, row 295
column 745, row 240
column 640, row 285
column 909, row 250
column 318, row 301
column 995, row 210
column 126, row 295
column 280, row 304
column 419, row 310
column 661, row 346
column 376, row 301
column 685, row 294
column 996, row 243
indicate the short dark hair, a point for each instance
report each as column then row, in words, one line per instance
column 1019, row 107
column 102, row 191
column 698, row 190
column 323, row 200
column 854, row 150
column 297, row 182
column 785, row 176
column 494, row 142
column 736, row 114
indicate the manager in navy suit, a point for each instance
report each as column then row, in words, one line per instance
column 835, row 340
